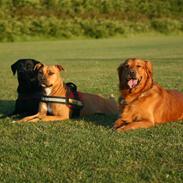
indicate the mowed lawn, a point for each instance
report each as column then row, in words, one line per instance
column 88, row 150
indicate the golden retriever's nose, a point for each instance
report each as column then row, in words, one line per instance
column 131, row 73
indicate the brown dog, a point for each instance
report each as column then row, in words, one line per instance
column 144, row 103
column 53, row 85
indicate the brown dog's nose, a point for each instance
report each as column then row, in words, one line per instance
column 43, row 79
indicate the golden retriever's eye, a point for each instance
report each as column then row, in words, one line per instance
column 138, row 66
column 126, row 66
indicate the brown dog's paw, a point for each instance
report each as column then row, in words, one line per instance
column 26, row 121
column 19, row 121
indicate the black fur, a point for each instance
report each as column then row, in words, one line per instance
column 29, row 90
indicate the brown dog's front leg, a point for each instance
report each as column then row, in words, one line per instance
column 54, row 118
column 136, row 125
column 38, row 117
column 29, row 118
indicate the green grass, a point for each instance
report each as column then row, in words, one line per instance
column 87, row 150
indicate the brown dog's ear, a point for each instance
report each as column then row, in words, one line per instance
column 38, row 66
column 60, row 68
column 149, row 67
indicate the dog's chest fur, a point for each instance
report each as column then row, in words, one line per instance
column 53, row 108
column 44, row 106
column 47, row 91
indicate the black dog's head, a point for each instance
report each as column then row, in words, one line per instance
column 27, row 76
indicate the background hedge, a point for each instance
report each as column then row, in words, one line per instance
column 30, row 19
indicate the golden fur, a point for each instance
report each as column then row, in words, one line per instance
column 144, row 103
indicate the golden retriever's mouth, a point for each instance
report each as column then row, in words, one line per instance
column 132, row 83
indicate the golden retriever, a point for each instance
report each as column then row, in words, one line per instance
column 144, row 103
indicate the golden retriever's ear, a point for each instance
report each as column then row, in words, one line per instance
column 38, row 66
column 60, row 68
column 121, row 76
column 149, row 67
column 120, row 70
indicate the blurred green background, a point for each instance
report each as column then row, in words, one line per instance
column 23, row 20
column 87, row 150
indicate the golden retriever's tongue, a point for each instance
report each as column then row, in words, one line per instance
column 132, row 83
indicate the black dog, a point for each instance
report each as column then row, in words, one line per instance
column 29, row 90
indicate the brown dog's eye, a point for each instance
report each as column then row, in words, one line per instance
column 138, row 66
column 50, row 73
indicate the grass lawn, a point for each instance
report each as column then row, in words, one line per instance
column 87, row 150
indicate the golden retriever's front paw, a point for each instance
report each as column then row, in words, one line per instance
column 118, row 123
column 121, row 129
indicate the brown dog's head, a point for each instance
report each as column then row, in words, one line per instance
column 135, row 75
column 48, row 76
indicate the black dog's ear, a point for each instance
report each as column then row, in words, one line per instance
column 35, row 62
column 14, row 67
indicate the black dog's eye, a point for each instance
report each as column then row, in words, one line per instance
column 29, row 66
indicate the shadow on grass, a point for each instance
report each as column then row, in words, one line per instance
column 6, row 108
column 100, row 119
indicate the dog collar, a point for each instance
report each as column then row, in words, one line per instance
column 73, row 100
column 122, row 101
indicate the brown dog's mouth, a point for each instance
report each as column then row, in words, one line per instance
column 46, row 86
column 132, row 83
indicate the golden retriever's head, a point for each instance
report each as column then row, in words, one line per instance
column 135, row 74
